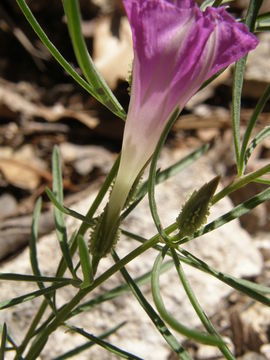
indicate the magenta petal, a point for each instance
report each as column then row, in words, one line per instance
column 234, row 39
column 171, row 42
column 176, row 48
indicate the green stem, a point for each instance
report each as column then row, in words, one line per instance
column 91, row 212
column 197, row 307
column 171, row 320
column 63, row 313
column 217, row 3
column 254, row 6
column 157, row 321
column 240, row 182
column 32, row 328
column 258, row 109
column 82, row 230
column 152, row 175
column 102, row 90
column 62, row 61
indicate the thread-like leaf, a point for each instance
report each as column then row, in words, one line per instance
column 61, row 230
column 197, row 307
column 88, row 344
column 244, row 155
column 34, row 278
column 107, row 346
column 165, row 174
column 263, row 22
column 30, row 296
column 3, row 342
column 256, row 141
column 101, row 90
column 152, row 175
column 33, row 249
column 85, row 262
column 255, row 291
column 253, row 9
column 207, row 3
column 114, row 105
column 157, row 321
column 66, row 210
column 171, row 320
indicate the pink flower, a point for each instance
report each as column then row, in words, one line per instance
column 176, row 48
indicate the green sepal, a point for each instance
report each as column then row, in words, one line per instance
column 133, row 191
column 101, row 243
column 195, row 211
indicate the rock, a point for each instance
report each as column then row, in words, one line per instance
column 8, row 205
column 252, row 356
column 262, row 243
column 255, row 320
column 15, row 232
column 111, row 51
column 265, row 350
column 139, row 336
column 257, row 75
column 86, row 158
column 206, row 352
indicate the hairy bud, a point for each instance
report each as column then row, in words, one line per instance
column 195, row 211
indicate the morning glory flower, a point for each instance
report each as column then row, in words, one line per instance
column 176, row 48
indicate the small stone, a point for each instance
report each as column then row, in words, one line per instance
column 265, row 350
column 8, row 205
column 207, row 352
column 252, row 356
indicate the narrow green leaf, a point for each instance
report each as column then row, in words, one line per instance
column 107, row 346
column 118, row 290
column 33, row 249
column 112, row 294
column 254, row 6
column 241, row 285
column 62, row 61
column 215, row 3
column 262, row 181
column 240, row 182
column 176, row 168
column 197, row 307
column 244, row 155
column 34, row 239
column 90, row 214
column 31, row 330
column 253, row 286
column 159, row 324
column 263, row 22
column 152, row 175
column 34, row 278
column 249, row 288
column 3, row 342
column 257, row 140
column 252, row 13
column 61, row 230
column 236, row 105
column 88, row 344
column 102, row 91
column 167, row 174
column 171, row 320
column 30, row 296
column 85, row 263
column 235, row 213
column 66, row 210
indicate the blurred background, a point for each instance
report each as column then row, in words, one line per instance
column 40, row 106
